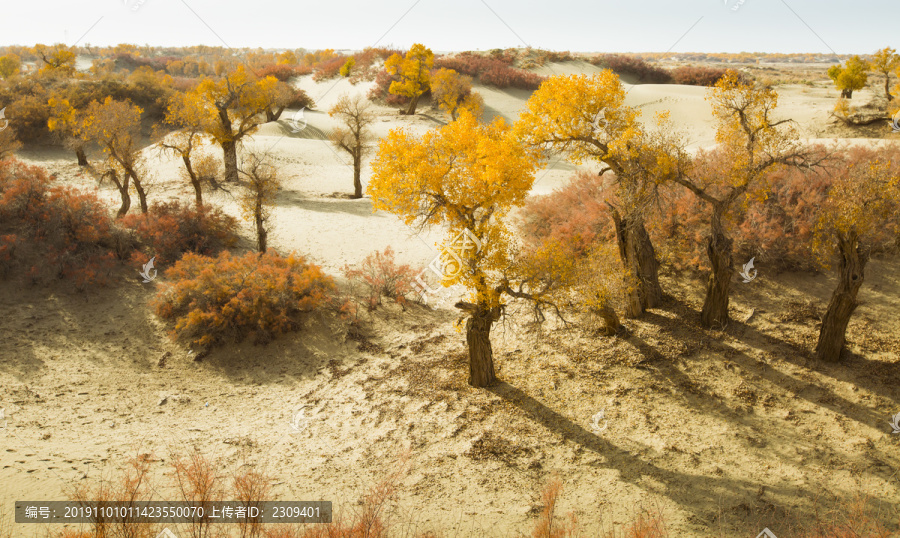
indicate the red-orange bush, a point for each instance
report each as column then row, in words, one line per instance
column 490, row 70
column 52, row 231
column 283, row 72
column 329, row 68
column 697, row 76
column 171, row 228
column 379, row 91
column 230, row 297
column 381, row 277
column 632, row 65
column 573, row 215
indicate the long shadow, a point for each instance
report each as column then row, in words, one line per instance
column 691, row 491
column 361, row 207
column 792, row 353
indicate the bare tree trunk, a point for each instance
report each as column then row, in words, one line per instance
column 123, row 192
column 195, row 181
column 718, row 248
column 843, row 301
column 639, row 259
column 142, row 195
column 261, row 232
column 357, row 169
column 229, row 150
column 82, row 158
column 481, row 354
column 887, row 86
column 412, row 105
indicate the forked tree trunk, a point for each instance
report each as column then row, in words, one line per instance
column 718, row 248
column 887, row 86
column 847, row 93
column 195, row 181
column 229, row 151
column 142, row 195
column 123, row 192
column 843, row 301
column 639, row 259
column 481, row 354
column 82, row 158
column 357, row 169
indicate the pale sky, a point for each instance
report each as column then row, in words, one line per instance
column 859, row 26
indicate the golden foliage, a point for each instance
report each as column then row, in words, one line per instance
column 414, row 71
column 464, row 175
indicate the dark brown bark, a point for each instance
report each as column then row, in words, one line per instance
column 261, row 232
column 229, row 150
column 412, row 105
column 481, row 354
column 357, row 169
column 718, row 248
column 82, row 158
column 887, row 86
column 843, row 301
column 195, row 181
column 847, row 93
column 123, row 192
column 642, row 290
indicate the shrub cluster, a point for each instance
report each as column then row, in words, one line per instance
column 632, row 65
column 229, row 297
column 697, row 76
column 49, row 232
column 171, row 229
column 329, row 69
column 283, row 72
column 380, row 276
column 380, row 93
column 491, row 71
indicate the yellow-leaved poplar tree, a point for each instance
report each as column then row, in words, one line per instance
column 234, row 104
column 414, row 72
column 115, row 126
column 585, row 118
column 64, row 119
column 354, row 136
column 858, row 218
column 465, row 176
column 751, row 144
column 885, row 61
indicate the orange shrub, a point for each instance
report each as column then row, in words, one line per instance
column 230, row 297
column 283, row 72
column 632, row 65
column 492, row 71
column 59, row 232
column 697, row 76
column 171, row 228
column 329, row 69
column 382, row 277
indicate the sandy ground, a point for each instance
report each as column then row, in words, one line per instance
column 725, row 432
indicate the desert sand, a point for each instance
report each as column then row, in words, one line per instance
column 720, row 430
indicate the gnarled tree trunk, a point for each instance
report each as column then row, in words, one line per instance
column 478, row 338
column 82, row 158
column 412, row 105
column 195, row 181
column 229, row 151
column 639, row 259
column 843, row 301
column 718, row 248
column 123, row 192
column 261, row 233
column 357, row 169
